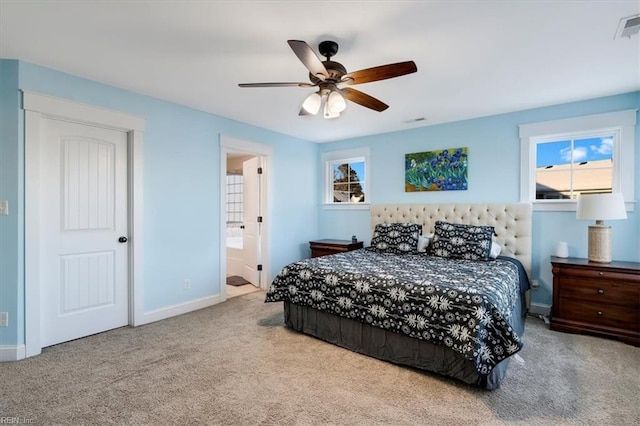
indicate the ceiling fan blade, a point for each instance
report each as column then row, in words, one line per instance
column 309, row 58
column 275, row 85
column 363, row 99
column 380, row 73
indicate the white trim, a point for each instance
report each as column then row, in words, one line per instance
column 241, row 145
column 12, row 353
column 39, row 106
column 229, row 144
column 346, row 206
column 345, row 155
column 136, row 220
column 540, row 309
column 63, row 109
column 619, row 121
column 32, row 233
column 568, row 206
column 179, row 309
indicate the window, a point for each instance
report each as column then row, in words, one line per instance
column 346, row 178
column 234, row 199
column 574, row 166
column 564, row 158
column 348, row 183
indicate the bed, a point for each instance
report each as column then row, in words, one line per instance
column 456, row 316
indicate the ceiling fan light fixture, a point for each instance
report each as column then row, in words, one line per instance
column 336, row 103
column 326, row 75
column 312, row 103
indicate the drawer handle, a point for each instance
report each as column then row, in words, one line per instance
column 601, row 273
column 599, row 313
column 600, row 291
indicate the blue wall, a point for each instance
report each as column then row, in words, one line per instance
column 181, row 190
column 181, row 170
column 494, row 176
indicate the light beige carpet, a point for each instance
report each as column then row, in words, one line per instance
column 235, row 364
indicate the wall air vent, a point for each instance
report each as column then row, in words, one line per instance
column 628, row 26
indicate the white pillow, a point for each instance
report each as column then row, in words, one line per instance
column 495, row 249
column 423, row 242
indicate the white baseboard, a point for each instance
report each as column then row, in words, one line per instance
column 540, row 309
column 12, row 352
column 179, row 309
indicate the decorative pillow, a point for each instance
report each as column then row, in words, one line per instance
column 496, row 249
column 423, row 242
column 396, row 238
column 461, row 241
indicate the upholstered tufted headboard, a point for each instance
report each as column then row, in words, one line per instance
column 512, row 222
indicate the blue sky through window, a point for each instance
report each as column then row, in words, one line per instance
column 591, row 149
column 357, row 167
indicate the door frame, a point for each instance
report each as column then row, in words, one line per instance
column 36, row 107
column 229, row 144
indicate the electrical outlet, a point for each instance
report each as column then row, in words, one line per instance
column 4, row 208
column 187, row 283
column 535, row 284
column 4, row 319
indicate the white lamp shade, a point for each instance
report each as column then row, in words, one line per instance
column 601, row 207
column 336, row 102
column 312, row 103
column 328, row 113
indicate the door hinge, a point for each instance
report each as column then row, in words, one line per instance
column 259, row 267
column 259, row 219
column 259, row 170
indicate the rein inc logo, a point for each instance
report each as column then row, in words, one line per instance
column 16, row 421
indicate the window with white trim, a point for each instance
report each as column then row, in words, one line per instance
column 564, row 158
column 346, row 178
column 234, row 199
column 575, row 164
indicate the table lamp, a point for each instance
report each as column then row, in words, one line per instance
column 600, row 207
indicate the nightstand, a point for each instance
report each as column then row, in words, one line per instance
column 602, row 299
column 326, row 247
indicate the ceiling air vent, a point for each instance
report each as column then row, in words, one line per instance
column 628, row 26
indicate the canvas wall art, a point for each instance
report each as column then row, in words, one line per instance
column 441, row 170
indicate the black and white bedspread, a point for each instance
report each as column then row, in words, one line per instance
column 463, row 304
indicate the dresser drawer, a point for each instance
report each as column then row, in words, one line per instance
column 602, row 274
column 606, row 315
column 600, row 291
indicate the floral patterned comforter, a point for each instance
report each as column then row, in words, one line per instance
column 463, row 304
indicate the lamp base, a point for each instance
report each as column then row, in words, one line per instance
column 600, row 243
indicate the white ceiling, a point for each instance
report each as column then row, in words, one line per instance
column 474, row 58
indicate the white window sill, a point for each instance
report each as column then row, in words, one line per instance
column 567, row 206
column 346, row 206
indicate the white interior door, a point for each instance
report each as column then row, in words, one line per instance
column 251, row 211
column 84, row 267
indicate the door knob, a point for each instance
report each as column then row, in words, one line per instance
column 122, row 240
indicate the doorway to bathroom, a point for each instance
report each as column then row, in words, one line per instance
column 242, row 211
column 244, row 257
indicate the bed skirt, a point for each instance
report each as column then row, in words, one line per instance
column 393, row 347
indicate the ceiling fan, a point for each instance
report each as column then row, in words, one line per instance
column 328, row 75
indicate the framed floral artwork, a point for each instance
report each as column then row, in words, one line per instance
column 441, row 170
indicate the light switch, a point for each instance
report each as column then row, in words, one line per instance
column 4, row 208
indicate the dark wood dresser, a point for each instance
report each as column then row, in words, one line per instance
column 326, row 247
column 602, row 299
